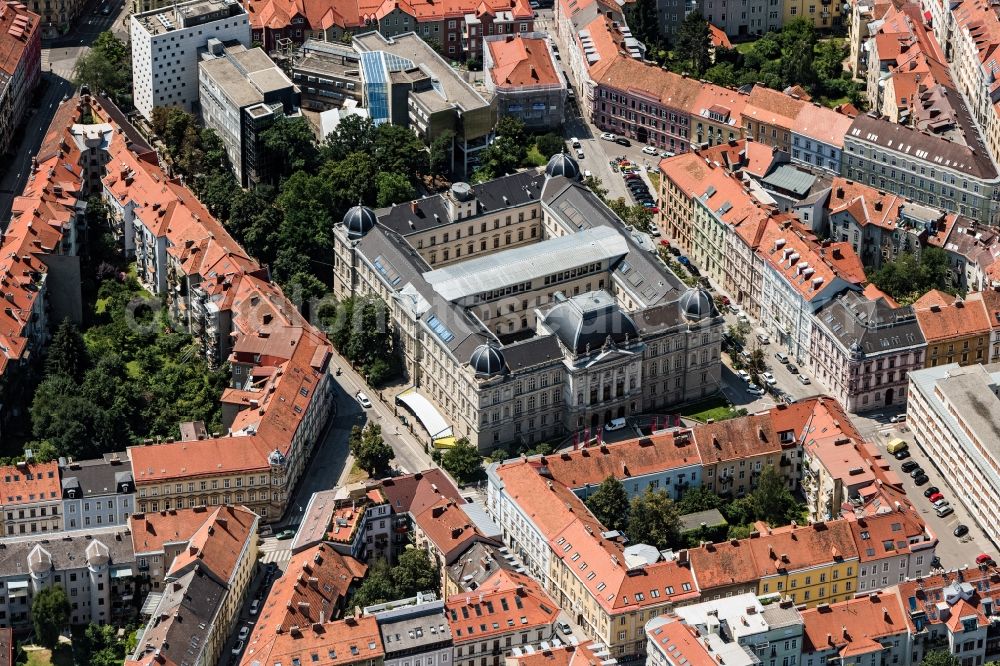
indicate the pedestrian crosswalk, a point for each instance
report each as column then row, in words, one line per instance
column 278, row 552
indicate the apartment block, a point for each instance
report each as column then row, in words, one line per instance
column 166, row 44
column 30, row 498
column 923, row 167
column 769, row 117
column 414, row 629
column 97, row 492
column 956, row 330
column 863, row 348
column 241, row 92
column 354, row 520
column 96, row 570
column 525, row 79
column 857, row 631
column 205, row 586
column 515, row 610
column 950, row 412
column 20, row 62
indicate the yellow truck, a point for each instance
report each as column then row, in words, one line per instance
column 896, row 445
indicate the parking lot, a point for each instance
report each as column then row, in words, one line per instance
column 954, row 552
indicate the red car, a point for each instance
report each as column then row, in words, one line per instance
column 984, row 558
column 935, row 497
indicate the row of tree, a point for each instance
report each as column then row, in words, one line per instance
column 360, row 328
column 107, row 68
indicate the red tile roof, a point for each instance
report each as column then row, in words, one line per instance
column 414, row 493
column 889, row 534
column 855, row 626
column 507, row 602
column 448, row 527
column 520, row 61
column 18, row 28
column 348, row 641
column 943, row 317
column 772, row 107
column 563, row 655
column 29, row 483
column 219, row 543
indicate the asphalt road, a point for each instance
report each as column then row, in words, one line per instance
column 954, row 552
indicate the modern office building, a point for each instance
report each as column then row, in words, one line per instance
column 166, row 44
column 952, row 413
column 241, row 93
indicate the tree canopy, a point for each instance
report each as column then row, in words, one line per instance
column 369, row 449
column 653, row 519
column 506, row 153
column 50, row 613
column 693, row 42
column 106, row 68
column 940, row 658
column 67, row 353
column 610, row 504
column 414, row 572
column 463, row 462
column 907, row 277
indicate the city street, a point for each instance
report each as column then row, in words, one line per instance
column 954, row 552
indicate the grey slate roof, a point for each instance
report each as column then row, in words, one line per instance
column 519, row 189
column 876, row 326
column 67, row 552
column 181, row 622
column 99, row 476
column 920, row 145
column 413, row 629
column 786, row 177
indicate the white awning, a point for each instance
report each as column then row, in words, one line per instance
column 17, row 585
column 426, row 413
column 123, row 572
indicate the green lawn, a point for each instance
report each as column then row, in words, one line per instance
column 654, row 179
column 62, row 656
column 716, row 408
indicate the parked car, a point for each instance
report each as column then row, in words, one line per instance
column 961, row 531
column 615, row 424
column 781, row 356
column 575, row 142
column 244, row 632
column 984, row 558
column 363, row 400
column 804, row 380
column 789, row 400
column 902, row 454
column 909, row 466
column 285, row 534
column 921, row 480
column 565, row 628
column 608, row 136
column 238, row 648
column 763, row 339
column 743, row 318
column 936, row 496
column 666, row 153
column 917, row 471
column 254, row 606
column 936, row 562
column 654, row 209
column 792, row 368
column 941, row 503
column 769, row 379
column 744, row 375
column 579, row 153
column 105, row 10
column 898, row 418
column 622, row 141
column 931, row 490
column 941, row 513
column 649, row 150
column 753, row 389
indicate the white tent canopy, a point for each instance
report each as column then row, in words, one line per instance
column 426, row 413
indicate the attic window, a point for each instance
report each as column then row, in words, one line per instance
column 866, row 535
column 575, row 557
column 686, row 587
column 639, row 596
column 670, row 589
column 654, row 593
column 600, row 587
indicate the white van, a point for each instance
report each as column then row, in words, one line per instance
column 782, row 357
column 615, row 424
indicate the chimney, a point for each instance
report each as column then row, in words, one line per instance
column 840, row 192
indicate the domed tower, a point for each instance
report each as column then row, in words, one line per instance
column 279, row 472
column 359, row 220
column 98, row 556
column 487, row 361
column 696, row 304
column 562, row 165
column 40, row 568
column 857, row 353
